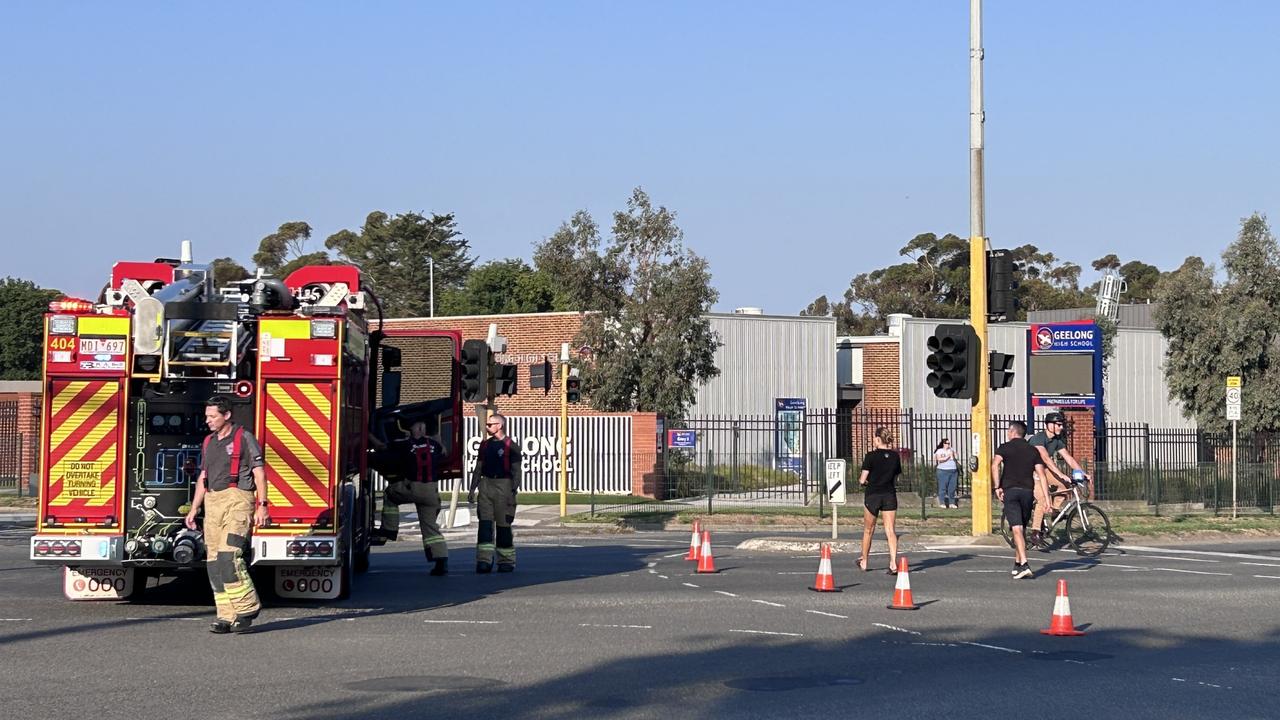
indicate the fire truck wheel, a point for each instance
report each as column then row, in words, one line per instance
column 362, row 560
column 139, row 589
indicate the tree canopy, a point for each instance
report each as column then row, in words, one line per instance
column 393, row 252
column 22, row 308
column 650, row 342
column 1216, row 329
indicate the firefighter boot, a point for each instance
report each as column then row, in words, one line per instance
column 484, row 547
column 441, row 568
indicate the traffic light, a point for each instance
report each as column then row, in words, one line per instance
column 504, row 379
column 1001, row 370
column 1001, row 303
column 540, row 376
column 953, row 361
column 475, row 371
column 573, row 389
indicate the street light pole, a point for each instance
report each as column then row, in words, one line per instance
column 979, row 426
column 431, row 268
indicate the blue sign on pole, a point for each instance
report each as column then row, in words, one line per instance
column 682, row 439
column 789, row 440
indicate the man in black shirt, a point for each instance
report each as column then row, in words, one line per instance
column 418, row 459
column 1016, row 489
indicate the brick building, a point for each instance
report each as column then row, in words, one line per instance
column 19, row 431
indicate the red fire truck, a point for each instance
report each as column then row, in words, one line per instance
column 126, row 380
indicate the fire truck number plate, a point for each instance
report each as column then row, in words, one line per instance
column 320, row 582
column 88, row 583
column 102, row 346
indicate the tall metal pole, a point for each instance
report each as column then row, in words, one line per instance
column 564, row 429
column 1235, row 453
column 431, row 267
column 979, row 425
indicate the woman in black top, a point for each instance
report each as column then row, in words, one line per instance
column 880, row 470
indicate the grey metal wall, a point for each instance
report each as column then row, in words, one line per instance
column 1131, row 316
column 769, row 356
column 1135, row 390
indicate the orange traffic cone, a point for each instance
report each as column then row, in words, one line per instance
column 902, row 589
column 825, row 581
column 706, row 563
column 1062, row 625
column 693, row 543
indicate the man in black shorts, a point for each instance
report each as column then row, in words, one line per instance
column 1015, row 487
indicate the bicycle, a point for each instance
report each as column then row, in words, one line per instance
column 1087, row 527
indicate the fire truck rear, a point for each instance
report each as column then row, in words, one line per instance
column 126, row 380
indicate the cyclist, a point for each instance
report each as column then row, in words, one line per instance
column 1051, row 444
column 1014, row 488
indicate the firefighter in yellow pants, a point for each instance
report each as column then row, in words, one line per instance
column 497, row 477
column 232, row 489
column 419, row 458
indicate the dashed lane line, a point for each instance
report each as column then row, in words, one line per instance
column 827, row 614
column 625, row 627
column 1268, row 577
column 895, row 628
column 1261, row 564
column 767, row 632
column 726, row 593
column 463, row 622
column 1191, row 572
column 766, row 602
column 992, row 647
column 690, row 585
column 1208, row 553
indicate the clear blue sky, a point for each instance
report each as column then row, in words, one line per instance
column 799, row 143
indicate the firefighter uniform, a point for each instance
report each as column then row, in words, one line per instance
column 228, row 464
column 420, row 460
column 497, row 477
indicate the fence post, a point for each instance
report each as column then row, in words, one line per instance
column 822, row 491
column 1157, row 484
column 22, row 475
column 711, row 480
column 735, row 480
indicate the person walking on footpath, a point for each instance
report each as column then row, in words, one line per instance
column 1015, row 487
column 232, row 488
column 880, row 470
column 497, row 478
column 948, row 472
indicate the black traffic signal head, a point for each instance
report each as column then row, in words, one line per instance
column 1002, row 305
column 573, row 389
column 1001, row 370
column 475, row 371
column 953, row 361
column 540, row 376
column 504, row 379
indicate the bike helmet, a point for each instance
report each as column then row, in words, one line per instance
column 1055, row 417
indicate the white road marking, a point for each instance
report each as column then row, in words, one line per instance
column 993, row 647
column 1071, row 570
column 722, row 592
column 796, row 573
column 664, row 577
column 157, row 619
column 766, row 632
column 674, row 555
column 935, row 644
column 986, row 571
column 1268, row 577
column 27, row 619
column 1192, row 572
column 896, row 629
column 819, row 612
column 1182, row 559
column 463, row 622
column 1261, row 564
column 690, row 585
column 771, row 604
column 1238, row 556
column 630, row 627
column 653, row 564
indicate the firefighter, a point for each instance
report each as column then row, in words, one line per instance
column 233, row 490
column 418, row 458
column 497, row 477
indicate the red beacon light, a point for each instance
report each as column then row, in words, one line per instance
column 71, row 305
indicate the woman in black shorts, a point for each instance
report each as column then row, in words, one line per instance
column 880, row 470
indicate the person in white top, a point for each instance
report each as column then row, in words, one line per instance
column 948, row 473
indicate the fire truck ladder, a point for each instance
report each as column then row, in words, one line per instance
column 203, row 348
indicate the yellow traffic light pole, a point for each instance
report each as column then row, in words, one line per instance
column 979, row 425
column 564, row 429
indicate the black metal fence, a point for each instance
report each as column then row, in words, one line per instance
column 11, row 447
column 741, row 463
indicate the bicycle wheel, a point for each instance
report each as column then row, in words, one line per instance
column 1094, row 539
